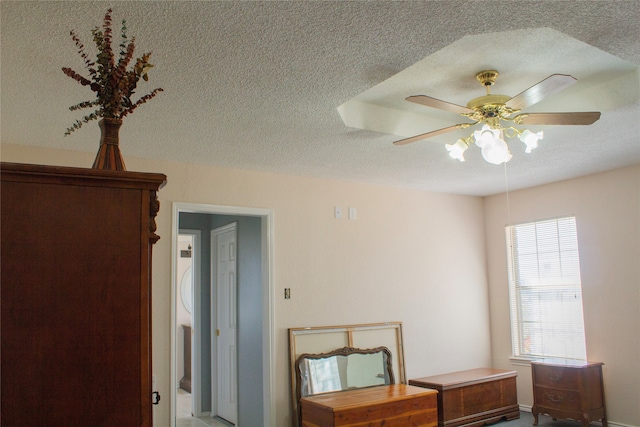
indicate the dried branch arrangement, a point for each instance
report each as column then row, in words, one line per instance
column 112, row 82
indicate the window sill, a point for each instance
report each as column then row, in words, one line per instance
column 523, row 360
column 526, row 360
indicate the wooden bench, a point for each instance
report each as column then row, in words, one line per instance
column 474, row 397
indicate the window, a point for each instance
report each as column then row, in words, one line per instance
column 545, row 291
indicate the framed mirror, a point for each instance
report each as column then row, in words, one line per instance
column 343, row 369
column 367, row 347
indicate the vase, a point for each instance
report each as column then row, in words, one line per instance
column 109, row 156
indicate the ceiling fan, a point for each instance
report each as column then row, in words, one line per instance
column 493, row 112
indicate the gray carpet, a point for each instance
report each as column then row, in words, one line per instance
column 526, row 420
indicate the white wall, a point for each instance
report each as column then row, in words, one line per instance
column 607, row 210
column 410, row 256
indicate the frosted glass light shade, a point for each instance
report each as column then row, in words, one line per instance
column 496, row 152
column 486, row 135
column 457, row 150
column 494, row 149
column 530, row 139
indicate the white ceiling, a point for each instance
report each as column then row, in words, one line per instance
column 257, row 84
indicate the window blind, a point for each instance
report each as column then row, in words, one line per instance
column 545, row 290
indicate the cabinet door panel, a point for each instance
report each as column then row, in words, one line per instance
column 71, row 265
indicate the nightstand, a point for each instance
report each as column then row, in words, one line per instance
column 568, row 389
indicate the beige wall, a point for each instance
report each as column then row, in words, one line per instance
column 607, row 210
column 410, row 256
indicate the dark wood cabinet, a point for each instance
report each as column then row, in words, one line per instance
column 75, row 295
column 568, row 389
column 474, row 397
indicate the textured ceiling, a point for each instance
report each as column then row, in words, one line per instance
column 257, row 84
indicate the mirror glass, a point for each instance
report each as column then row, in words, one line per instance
column 344, row 371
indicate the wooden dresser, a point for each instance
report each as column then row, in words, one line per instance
column 75, row 296
column 397, row 405
column 568, row 389
column 474, row 397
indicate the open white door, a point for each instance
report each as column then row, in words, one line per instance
column 225, row 388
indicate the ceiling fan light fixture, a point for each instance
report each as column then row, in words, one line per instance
column 496, row 151
column 497, row 113
column 456, row 151
column 530, row 139
column 486, row 136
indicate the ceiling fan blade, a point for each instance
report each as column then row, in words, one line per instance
column 436, row 103
column 536, row 93
column 585, row 118
column 432, row 133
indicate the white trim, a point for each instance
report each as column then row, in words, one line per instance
column 613, row 423
column 527, row 408
column 521, row 360
column 174, row 294
column 196, row 387
column 268, row 359
column 268, row 347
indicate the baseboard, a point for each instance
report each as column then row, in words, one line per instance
column 223, row 421
column 527, row 408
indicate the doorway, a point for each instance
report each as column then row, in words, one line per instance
column 254, row 356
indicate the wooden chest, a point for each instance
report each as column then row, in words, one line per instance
column 397, row 405
column 568, row 389
column 474, row 397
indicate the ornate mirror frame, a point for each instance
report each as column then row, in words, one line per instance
column 326, row 339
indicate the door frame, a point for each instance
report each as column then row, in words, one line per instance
column 268, row 353
column 196, row 387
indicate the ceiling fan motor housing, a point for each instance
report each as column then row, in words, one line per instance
column 487, row 77
column 490, row 109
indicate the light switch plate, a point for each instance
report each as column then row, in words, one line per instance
column 352, row 213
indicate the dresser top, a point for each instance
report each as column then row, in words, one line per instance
column 344, row 400
column 468, row 377
column 23, row 172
